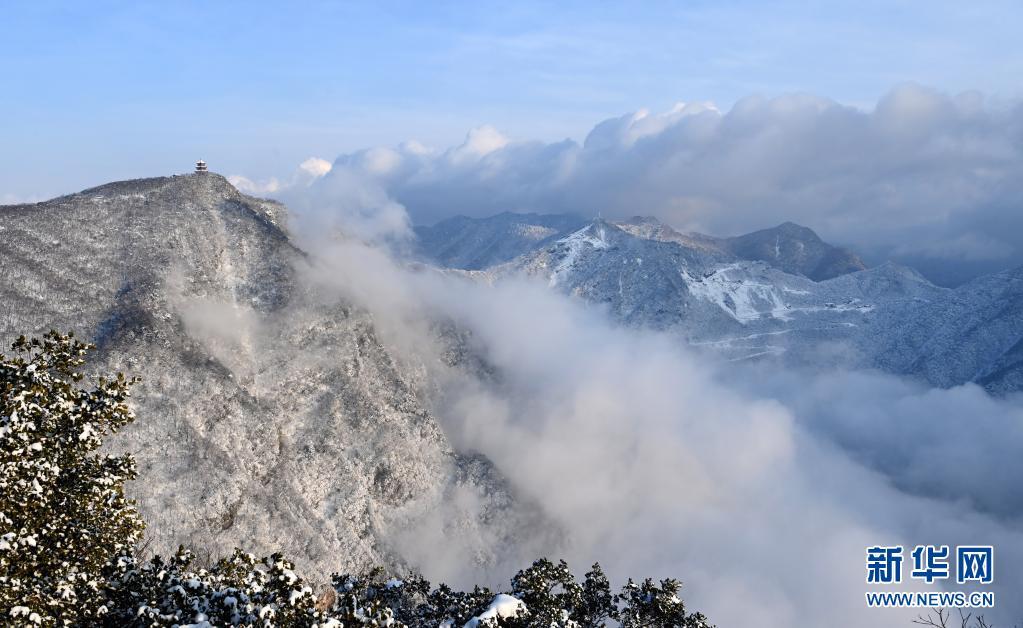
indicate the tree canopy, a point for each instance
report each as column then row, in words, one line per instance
column 69, row 540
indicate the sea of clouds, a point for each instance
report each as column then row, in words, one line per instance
column 759, row 488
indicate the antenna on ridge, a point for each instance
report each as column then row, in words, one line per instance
column 200, row 166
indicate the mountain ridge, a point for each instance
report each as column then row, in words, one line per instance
column 649, row 276
column 795, row 249
column 271, row 415
column 474, row 244
column 478, row 243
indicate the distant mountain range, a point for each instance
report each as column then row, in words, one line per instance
column 479, row 243
column 788, row 247
column 776, row 293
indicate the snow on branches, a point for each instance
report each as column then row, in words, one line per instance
column 63, row 513
column 69, row 539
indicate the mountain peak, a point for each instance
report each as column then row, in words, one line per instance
column 795, row 249
column 643, row 220
column 208, row 184
column 187, row 282
column 600, row 221
column 172, row 195
column 789, row 227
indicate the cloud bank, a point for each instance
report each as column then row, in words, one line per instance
column 925, row 178
column 761, row 497
column 760, row 491
column 307, row 172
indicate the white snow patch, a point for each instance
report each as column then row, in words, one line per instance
column 739, row 296
column 746, row 297
column 768, row 350
column 727, row 342
column 575, row 243
column 503, row 606
column 853, row 305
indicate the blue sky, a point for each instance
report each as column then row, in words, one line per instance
column 91, row 92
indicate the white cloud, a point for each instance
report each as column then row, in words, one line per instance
column 315, row 166
column 304, row 175
column 255, row 188
column 380, row 161
column 761, row 492
column 347, row 202
column 480, row 142
column 921, row 170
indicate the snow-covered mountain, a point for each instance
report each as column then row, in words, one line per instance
column 713, row 298
column 975, row 333
column 795, row 249
column 269, row 417
column 473, row 243
column 788, row 247
column 783, row 292
column 478, row 243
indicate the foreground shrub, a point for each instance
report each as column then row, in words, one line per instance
column 63, row 514
column 68, row 538
column 246, row 591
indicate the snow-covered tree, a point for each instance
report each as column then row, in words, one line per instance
column 63, row 513
column 552, row 598
column 68, row 540
column 238, row 591
column 545, row 595
column 649, row 605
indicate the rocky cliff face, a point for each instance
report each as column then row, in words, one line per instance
column 269, row 417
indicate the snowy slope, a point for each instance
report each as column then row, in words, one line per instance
column 473, row 243
column 789, row 247
column 268, row 417
column 794, row 249
column 478, row 243
column 661, row 283
column 974, row 334
column 647, row 275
